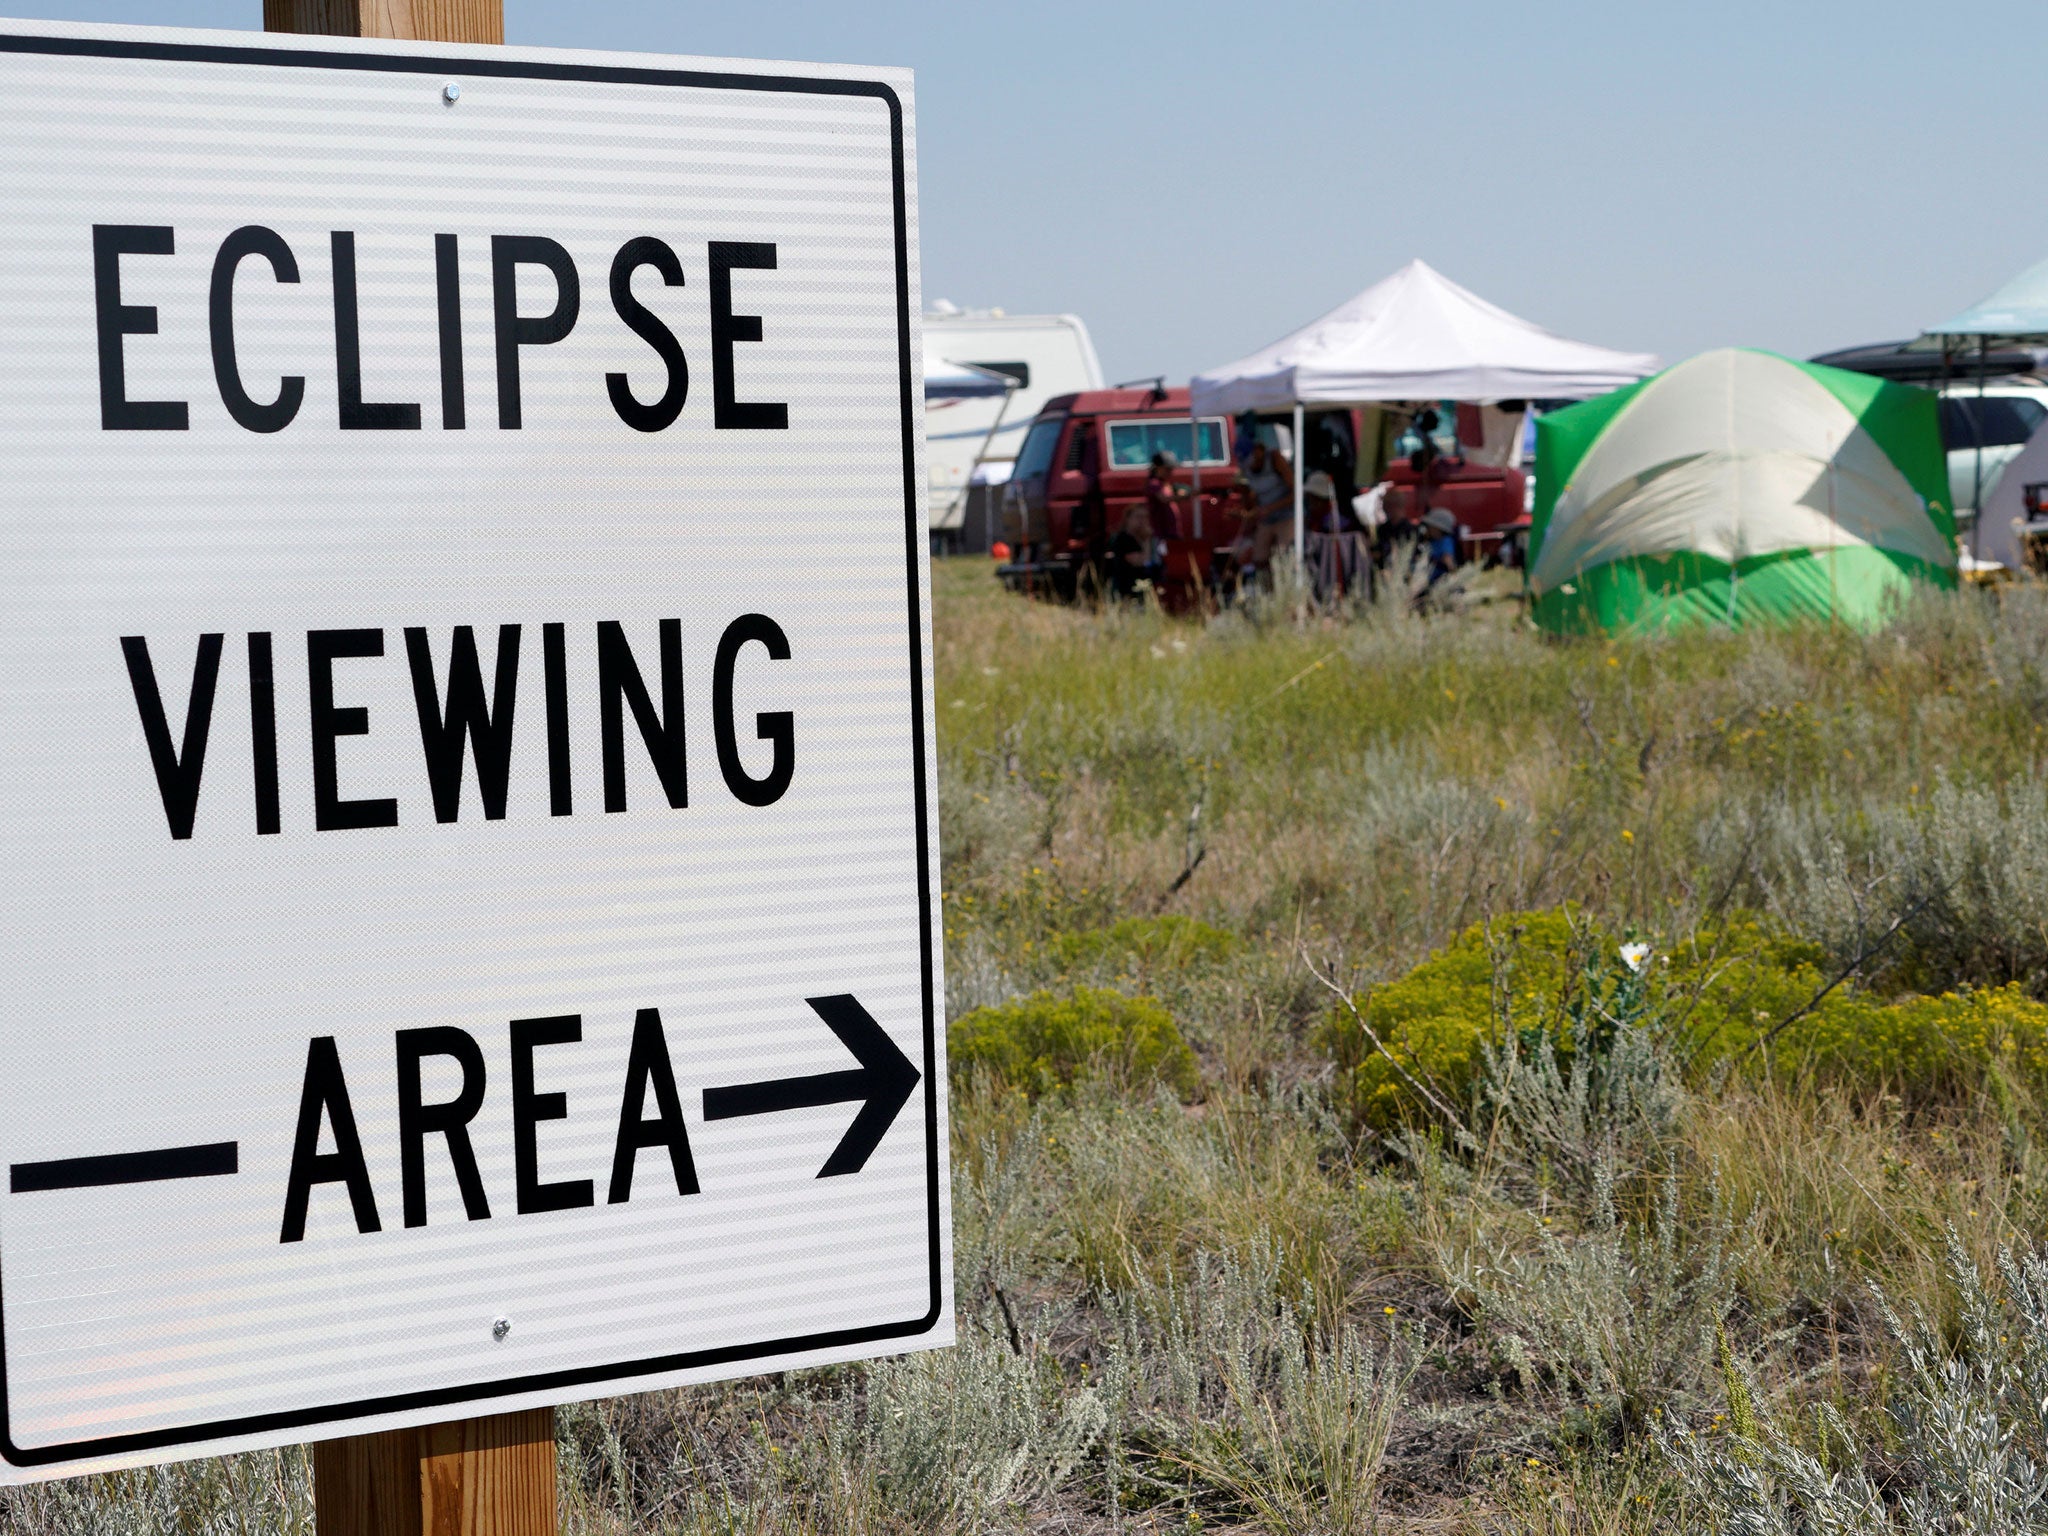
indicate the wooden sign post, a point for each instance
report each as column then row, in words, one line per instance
column 489, row 1476
column 426, row 21
column 632, row 1060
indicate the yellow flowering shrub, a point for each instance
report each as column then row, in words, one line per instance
column 1143, row 943
column 1924, row 1042
column 1046, row 1040
column 1713, row 996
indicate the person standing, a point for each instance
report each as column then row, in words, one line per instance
column 1271, row 479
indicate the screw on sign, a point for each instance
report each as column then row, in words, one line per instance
column 462, row 646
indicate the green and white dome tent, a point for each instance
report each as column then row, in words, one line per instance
column 1736, row 487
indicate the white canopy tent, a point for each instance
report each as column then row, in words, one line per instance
column 2018, row 311
column 1413, row 336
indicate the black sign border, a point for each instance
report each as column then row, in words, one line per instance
column 548, row 1381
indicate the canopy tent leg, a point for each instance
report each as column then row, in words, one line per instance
column 1977, row 432
column 1300, row 515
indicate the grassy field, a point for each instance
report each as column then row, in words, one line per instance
column 1414, row 1076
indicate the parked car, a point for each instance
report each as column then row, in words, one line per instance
column 1999, row 423
column 2015, row 402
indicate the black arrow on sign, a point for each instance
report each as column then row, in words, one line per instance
column 883, row 1080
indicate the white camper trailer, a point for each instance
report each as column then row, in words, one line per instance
column 1047, row 355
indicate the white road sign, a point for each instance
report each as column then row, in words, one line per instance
column 464, row 685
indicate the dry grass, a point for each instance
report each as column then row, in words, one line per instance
column 1246, row 1312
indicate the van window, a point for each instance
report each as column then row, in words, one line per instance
column 1132, row 443
column 1035, row 457
column 2004, row 421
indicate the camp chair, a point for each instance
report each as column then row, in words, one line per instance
column 1339, row 563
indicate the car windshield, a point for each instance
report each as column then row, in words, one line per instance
column 1995, row 421
column 1035, row 457
column 1132, row 443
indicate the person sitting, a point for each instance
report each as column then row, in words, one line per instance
column 1160, row 495
column 1335, row 551
column 1440, row 526
column 1131, row 554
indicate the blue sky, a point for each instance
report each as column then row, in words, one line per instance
column 1195, row 180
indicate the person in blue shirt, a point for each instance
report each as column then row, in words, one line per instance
column 1440, row 528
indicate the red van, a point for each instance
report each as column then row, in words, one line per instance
column 1083, row 465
